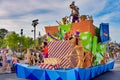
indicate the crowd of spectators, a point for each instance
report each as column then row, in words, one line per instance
column 32, row 56
column 113, row 50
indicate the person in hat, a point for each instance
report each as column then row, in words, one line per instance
column 74, row 12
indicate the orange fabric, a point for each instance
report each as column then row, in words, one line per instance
column 51, row 29
column 66, row 35
column 45, row 50
column 83, row 26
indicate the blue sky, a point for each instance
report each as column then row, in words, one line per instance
column 18, row 14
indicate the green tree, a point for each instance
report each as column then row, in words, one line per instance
column 3, row 43
column 3, row 32
column 26, row 42
column 12, row 40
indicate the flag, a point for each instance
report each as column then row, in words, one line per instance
column 104, row 32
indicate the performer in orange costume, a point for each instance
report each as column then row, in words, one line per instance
column 45, row 50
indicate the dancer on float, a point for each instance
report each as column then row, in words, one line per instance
column 45, row 49
column 74, row 12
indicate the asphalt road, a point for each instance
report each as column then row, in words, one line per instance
column 11, row 76
column 109, row 75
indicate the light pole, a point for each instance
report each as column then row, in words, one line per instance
column 39, row 38
column 34, row 24
column 21, row 37
column 21, row 41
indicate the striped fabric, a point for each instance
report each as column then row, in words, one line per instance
column 66, row 62
column 58, row 49
column 49, row 66
column 62, row 50
column 51, row 60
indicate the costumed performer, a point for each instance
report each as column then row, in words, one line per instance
column 45, row 49
column 74, row 12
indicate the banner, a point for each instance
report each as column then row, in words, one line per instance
column 94, row 45
column 86, row 39
column 64, row 28
column 101, row 48
column 104, row 32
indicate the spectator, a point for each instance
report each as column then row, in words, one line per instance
column 40, row 57
column 27, row 57
column 9, row 59
column 4, row 60
column 15, row 59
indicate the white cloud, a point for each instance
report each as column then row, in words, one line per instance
column 59, row 8
column 3, row 12
column 115, row 33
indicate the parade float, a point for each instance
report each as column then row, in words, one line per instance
column 76, row 51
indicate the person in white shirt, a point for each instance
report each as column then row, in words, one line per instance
column 9, row 59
